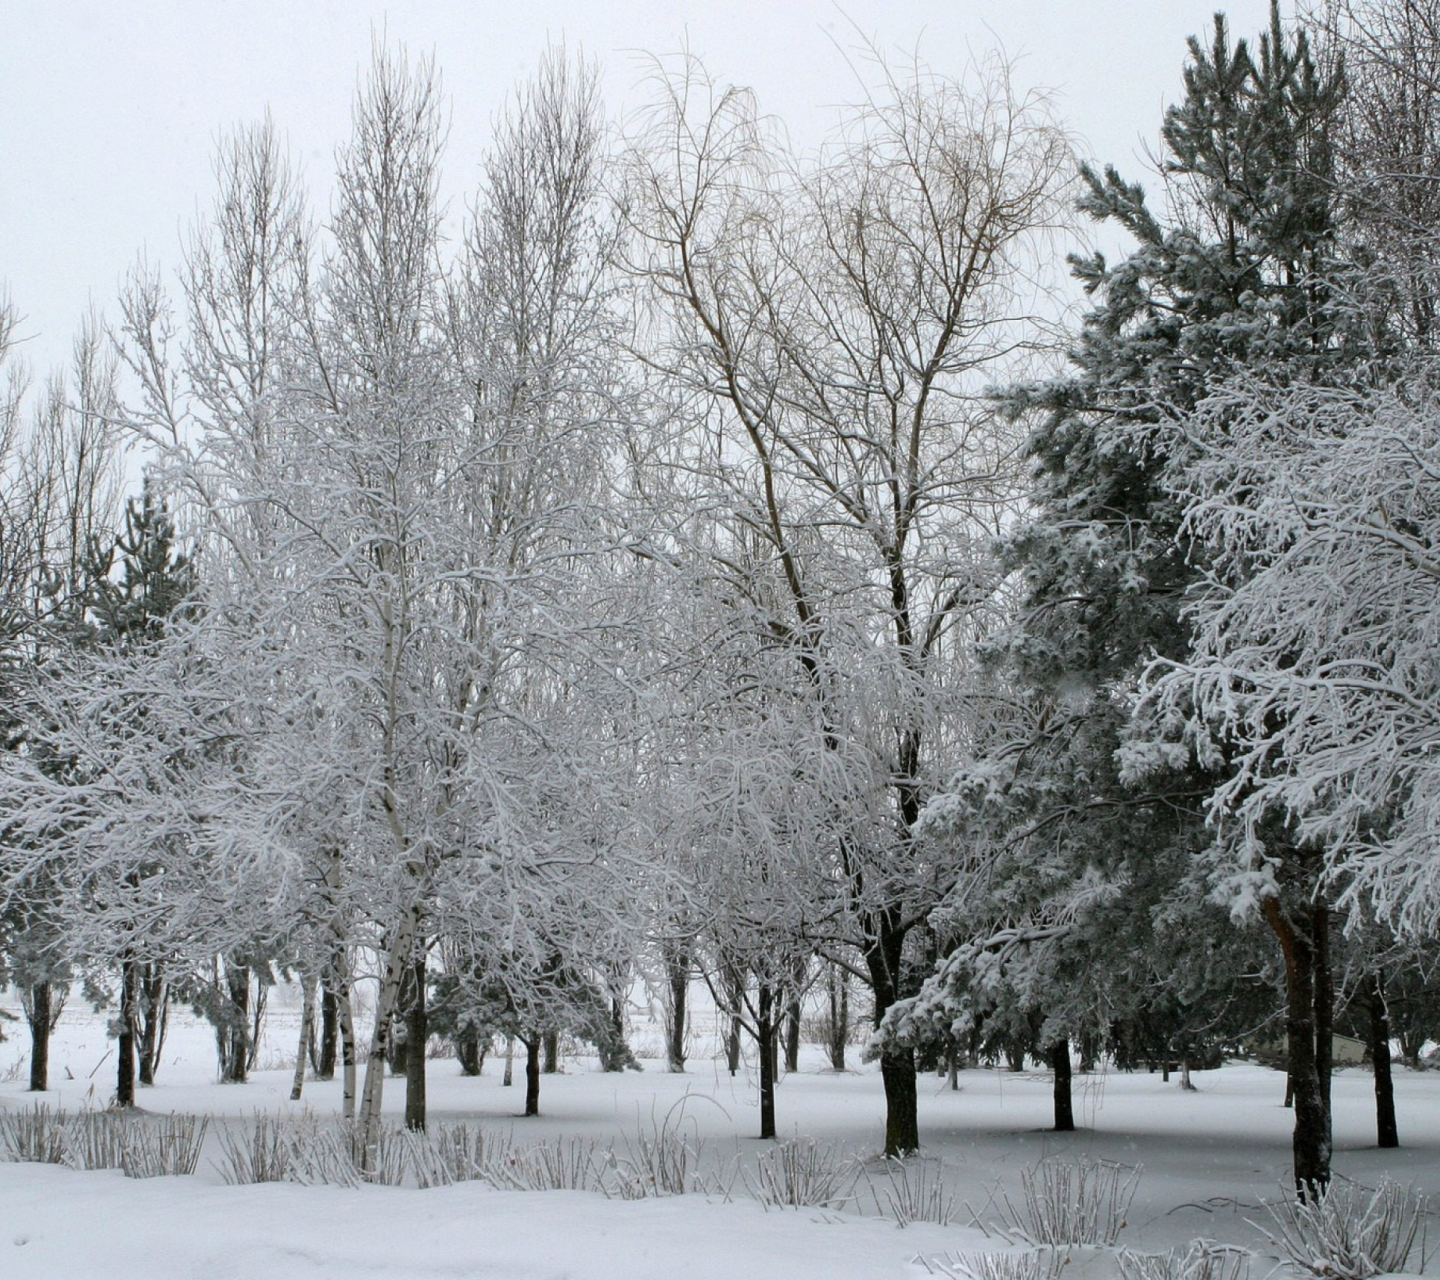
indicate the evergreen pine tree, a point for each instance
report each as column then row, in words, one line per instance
column 1240, row 273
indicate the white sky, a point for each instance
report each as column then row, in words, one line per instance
column 109, row 109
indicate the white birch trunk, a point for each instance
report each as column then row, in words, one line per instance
column 401, row 952
column 347, row 1048
column 307, row 1028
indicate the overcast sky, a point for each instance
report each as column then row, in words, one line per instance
column 109, row 109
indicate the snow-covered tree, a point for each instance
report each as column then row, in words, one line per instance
column 827, row 325
column 1242, row 269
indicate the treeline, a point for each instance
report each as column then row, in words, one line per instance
column 716, row 560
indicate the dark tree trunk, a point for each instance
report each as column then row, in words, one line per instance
column 897, row 1066
column 41, row 1024
column 765, row 1045
column 1324, row 1007
column 1059, row 1056
column 235, row 1065
column 155, row 1018
column 551, row 1043
column 532, row 1076
column 398, row 1051
column 734, row 986
column 129, row 1000
column 677, row 981
column 838, row 991
column 416, row 1034
column 397, row 1046
column 902, row 1129
column 1306, row 988
column 792, row 1035
column 616, row 1055
column 1411, row 1042
column 1387, row 1133
column 1185, row 1082
column 1015, row 1055
column 467, row 1051
column 329, row 1033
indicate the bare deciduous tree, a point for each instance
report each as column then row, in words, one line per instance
column 831, row 323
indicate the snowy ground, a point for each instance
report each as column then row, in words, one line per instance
column 1208, row 1158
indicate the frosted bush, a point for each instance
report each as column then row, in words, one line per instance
column 1064, row 1202
column 802, row 1173
column 658, row 1161
column 1203, row 1260
column 446, row 1154
column 1350, row 1232
column 1026, row 1264
column 265, row 1150
column 916, row 1193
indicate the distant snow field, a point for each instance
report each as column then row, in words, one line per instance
column 1207, row 1160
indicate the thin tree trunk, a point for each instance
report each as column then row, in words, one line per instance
column 792, row 1035
column 1386, row 1130
column 336, row 1007
column 616, row 1055
column 1064, row 1104
column 349, row 1049
column 237, row 1023
column 550, row 1042
column 765, row 1045
column 416, row 1033
column 467, row 1050
column 734, row 985
column 1324, row 1007
column 677, row 977
column 307, row 1030
column 532, row 1076
column 329, row 1033
column 125, row 1067
column 837, row 983
column 41, row 1023
column 257, row 1021
column 1311, row 1143
column 155, row 1016
column 400, row 959
column 509, row 1061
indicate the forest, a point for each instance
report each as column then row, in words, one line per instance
column 793, row 574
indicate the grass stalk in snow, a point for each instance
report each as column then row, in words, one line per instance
column 265, row 1150
column 163, row 1147
column 96, row 1139
column 35, row 1135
